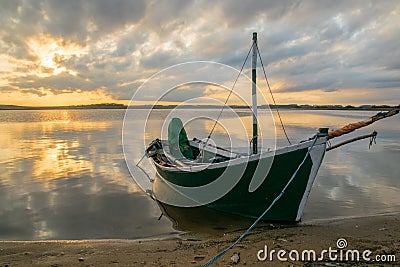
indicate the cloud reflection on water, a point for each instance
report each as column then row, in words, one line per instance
column 70, row 181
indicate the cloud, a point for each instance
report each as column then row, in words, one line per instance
column 61, row 82
column 340, row 45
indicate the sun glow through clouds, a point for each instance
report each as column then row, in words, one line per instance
column 52, row 53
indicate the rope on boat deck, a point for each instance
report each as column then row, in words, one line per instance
column 215, row 258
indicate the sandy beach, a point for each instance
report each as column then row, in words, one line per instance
column 375, row 238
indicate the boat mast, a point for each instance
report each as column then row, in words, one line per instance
column 254, row 92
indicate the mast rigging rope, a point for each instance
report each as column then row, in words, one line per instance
column 273, row 99
column 226, row 101
column 230, row 93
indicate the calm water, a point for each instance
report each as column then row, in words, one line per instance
column 63, row 174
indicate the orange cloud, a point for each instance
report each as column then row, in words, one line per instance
column 49, row 99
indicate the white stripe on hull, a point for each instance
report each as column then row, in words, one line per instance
column 317, row 154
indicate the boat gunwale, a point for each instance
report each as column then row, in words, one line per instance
column 243, row 159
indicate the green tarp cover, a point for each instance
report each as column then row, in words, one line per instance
column 178, row 141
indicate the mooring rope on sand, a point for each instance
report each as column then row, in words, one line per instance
column 219, row 255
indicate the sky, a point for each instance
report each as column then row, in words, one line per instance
column 74, row 52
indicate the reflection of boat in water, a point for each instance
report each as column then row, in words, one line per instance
column 202, row 220
column 274, row 184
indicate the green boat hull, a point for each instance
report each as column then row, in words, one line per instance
column 239, row 200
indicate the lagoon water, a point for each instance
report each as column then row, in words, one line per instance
column 63, row 174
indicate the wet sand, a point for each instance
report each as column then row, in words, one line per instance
column 379, row 234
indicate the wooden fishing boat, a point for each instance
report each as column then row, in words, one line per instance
column 272, row 184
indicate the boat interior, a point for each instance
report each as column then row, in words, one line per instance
column 203, row 153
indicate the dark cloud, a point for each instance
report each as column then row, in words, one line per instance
column 56, row 84
column 111, row 15
column 243, row 12
column 163, row 17
column 75, row 20
column 66, row 18
column 130, row 43
column 160, row 59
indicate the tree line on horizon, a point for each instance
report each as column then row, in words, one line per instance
column 122, row 106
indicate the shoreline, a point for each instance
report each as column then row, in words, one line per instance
column 380, row 234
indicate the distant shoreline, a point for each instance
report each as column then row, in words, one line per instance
column 121, row 106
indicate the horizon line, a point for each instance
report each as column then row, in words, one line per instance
column 123, row 106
